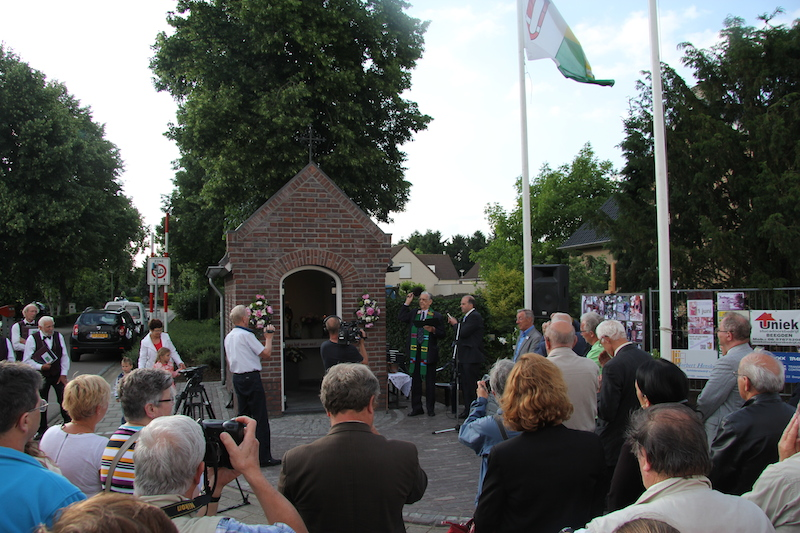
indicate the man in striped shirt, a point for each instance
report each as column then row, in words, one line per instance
column 145, row 394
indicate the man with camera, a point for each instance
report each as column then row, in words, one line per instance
column 352, row 479
column 169, row 466
column 245, row 353
column 345, row 343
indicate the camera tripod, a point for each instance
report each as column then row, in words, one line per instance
column 194, row 402
column 193, row 399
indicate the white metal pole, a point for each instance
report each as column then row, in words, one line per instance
column 526, row 189
column 662, row 193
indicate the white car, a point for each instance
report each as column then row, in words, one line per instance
column 136, row 309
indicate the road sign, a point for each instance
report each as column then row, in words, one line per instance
column 158, row 271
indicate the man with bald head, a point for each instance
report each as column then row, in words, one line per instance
column 581, row 346
column 580, row 374
column 747, row 440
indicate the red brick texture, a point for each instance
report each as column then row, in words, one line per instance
column 309, row 222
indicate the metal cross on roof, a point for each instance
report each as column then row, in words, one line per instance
column 313, row 141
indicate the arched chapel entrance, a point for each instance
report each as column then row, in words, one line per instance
column 308, row 294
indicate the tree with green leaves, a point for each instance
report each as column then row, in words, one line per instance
column 561, row 200
column 461, row 247
column 429, row 243
column 62, row 203
column 733, row 152
column 250, row 77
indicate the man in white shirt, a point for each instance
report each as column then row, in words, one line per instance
column 46, row 351
column 20, row 330
column 245, row 353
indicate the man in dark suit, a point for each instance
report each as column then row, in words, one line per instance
column 426, row 327
column 352, row 479
column 618, row 389
column 747, row 440
column 469, row 350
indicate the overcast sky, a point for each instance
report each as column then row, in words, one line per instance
column 467, row 81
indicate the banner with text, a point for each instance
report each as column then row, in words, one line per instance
column 696, row 364
column 779, row 328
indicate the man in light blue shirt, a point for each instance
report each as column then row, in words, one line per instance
column 31, row 494
column 529, row 336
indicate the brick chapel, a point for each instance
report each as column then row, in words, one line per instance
column 312, row 252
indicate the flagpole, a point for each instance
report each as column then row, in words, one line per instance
column 662, row 193
column 526, row 189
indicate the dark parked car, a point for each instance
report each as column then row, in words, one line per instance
column 102, row 330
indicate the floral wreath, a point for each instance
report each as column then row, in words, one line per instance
column 260, row 313
column 368, row 312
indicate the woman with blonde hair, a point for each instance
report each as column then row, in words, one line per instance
column 73, row 446
column 549, row 477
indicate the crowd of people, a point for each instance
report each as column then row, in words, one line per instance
column 570, row 438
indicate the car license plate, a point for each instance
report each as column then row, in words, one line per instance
column 98, row 335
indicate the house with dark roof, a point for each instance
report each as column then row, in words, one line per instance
column 589, row 240
column 435, row 271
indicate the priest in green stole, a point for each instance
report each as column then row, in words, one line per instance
column 426, row 327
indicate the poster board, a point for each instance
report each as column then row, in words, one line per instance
column 628, row 308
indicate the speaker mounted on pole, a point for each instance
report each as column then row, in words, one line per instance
column 550, row 290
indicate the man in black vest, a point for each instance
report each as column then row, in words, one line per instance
column 20, row 330
column 46, row 351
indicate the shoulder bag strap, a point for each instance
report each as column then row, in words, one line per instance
column 113, row 466
column 499, row 421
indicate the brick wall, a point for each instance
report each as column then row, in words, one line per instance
column 309, row 222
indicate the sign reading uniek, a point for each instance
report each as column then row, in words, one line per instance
column 780, row 328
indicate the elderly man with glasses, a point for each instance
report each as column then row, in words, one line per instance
column 30, row 493
column 720, row 396
column 145, row 394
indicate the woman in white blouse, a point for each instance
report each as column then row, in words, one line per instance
column 153, row 342
column 73, row 446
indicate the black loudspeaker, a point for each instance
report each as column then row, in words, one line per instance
column 550, row 289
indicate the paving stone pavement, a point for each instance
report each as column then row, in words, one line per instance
column 452, row 468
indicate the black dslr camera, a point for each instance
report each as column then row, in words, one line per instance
column 216, row 453
column 349, row 333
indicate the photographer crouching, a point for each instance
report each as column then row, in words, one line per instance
column 170, row 464
column 345, row 343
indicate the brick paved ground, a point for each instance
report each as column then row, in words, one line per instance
column 451, row 467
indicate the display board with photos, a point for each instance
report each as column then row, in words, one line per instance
column 628, row 308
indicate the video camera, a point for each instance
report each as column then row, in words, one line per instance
column 349, row 332
column 216, row 453
column 193, row 374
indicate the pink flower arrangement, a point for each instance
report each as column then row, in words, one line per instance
column 260, row 313
column 368, row 312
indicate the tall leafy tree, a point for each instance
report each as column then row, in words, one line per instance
column 62, row 203
column 733, row 152
column 561, row 200
column 251, row 76
column 431, row 242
